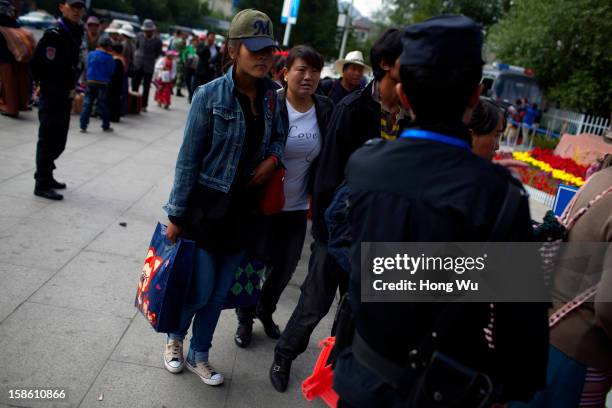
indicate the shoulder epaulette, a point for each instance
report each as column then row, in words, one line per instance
column 53, row 30
column 374, row 141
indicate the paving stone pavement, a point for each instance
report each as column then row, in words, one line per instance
column 70, row 270
column 69, row 274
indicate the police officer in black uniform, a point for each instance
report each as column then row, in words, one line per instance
column 428, row 186
column 54, row 67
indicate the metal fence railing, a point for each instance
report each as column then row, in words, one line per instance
column 554, row 123
column 557, row 122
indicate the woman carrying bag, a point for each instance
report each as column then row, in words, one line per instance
column 305, row 117
column 233, row 143
column 580, row 355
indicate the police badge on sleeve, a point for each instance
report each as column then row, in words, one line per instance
column 50, row 53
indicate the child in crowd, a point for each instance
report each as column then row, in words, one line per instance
column 100, row 67
column 165, row 74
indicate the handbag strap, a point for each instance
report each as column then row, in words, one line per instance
column 565, row 217
column 568, row 222
column 571, row 305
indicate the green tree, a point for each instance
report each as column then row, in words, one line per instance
column 567, row 43
column 403, row 12
column 272, row 8
column 316, row 23
column 316, row 26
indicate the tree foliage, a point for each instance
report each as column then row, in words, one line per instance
column 400, row 13
column 567, row 42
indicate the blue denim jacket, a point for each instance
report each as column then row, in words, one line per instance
column 213, row 140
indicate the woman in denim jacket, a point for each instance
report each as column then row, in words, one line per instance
column 233, row 142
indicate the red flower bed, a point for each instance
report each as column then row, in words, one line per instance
column 533, row 177
column 558, row 162
column 539, row 179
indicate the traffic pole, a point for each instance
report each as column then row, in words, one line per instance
column 287, row 33
column 346, row 31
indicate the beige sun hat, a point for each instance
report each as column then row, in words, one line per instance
column 113, row 28
column 127, row 30
column 353, row 57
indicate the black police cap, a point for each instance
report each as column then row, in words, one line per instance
column 447, row 40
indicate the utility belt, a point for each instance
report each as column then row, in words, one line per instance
column 431, row 379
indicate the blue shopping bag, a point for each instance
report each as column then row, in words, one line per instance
column 248, row 281
column 164, row 280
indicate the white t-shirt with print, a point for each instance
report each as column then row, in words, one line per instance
column 302, row 148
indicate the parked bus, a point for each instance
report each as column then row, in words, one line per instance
column 505, row 84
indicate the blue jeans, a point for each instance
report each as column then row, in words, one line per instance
column 95, row 92
column 212, row 278
column 564, row 383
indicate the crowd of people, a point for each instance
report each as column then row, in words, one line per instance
column 87, row 69
column 523, row 121
column 404, row 157
column 390, row 161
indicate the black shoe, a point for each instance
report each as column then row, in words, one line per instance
column 180, row 95
column 9, row 115
column 243, row 335
column 108, row 129
column 56, row 185
column 271, row 328
column 48, row 193
column 279, row 373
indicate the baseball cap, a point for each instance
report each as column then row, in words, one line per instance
column 447, row 40
column 93, row 20
column 254, row 29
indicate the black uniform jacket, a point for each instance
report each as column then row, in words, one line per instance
column 56, row 59
column 414, row 190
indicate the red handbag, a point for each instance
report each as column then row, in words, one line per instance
column 273, row 195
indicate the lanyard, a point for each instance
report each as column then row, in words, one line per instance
column 427, row 135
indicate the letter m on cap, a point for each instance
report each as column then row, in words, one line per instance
column 261, row 27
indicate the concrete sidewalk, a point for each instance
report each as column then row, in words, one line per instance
column 70, row 271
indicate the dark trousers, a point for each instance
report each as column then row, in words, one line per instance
column 96, row 93
column 54, row 118
column 199, row 79
column 286, row 233
column 145, row 78
column 189, row 73
column 324, row 278
column 180, row 77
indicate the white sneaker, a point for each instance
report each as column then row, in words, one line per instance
column 206, row 372
column 173, row 356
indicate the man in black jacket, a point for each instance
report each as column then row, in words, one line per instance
column 373, row 112
column 428, row 186
column 55, row 68
column 208, row 55
column 148, row 49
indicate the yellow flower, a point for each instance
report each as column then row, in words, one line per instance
column 556, row 173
